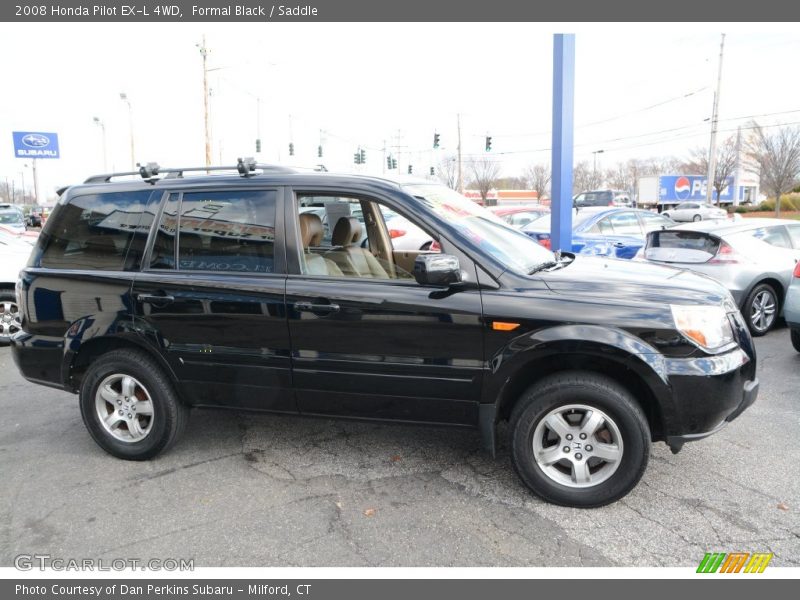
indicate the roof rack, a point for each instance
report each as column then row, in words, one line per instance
column 246, row 167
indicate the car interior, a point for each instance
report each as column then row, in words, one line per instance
column 358, row 245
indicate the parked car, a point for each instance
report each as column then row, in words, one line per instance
column 614, row 232
column 12, row 218
column 695, row 211
column 792, row 307
column 753, row 258
column 14, row 253
column 602, row 198
column 519, row 215
column 150, row 297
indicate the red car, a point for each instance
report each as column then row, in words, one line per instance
column 519, row 215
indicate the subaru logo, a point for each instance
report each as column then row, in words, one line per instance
column 36, row 140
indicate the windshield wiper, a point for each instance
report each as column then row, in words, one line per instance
column 559, row 263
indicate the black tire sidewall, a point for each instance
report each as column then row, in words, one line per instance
column 622, row 410
column 164, row 424
column 794, row 334
column 748, row 305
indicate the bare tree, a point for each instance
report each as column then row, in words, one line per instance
column 585, row 178
column 778, row 158
column 725, row 165
column 620, row 177
column 538, row 178
column 484, row 175
column 447, row 172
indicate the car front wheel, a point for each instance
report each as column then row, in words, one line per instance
column 761, row 309
column 129, row 405
column 579, row 439
column 9, row 317
column 697, row 218
column 795, row 335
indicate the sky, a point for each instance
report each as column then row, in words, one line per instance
column 642, row 90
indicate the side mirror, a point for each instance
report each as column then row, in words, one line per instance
column 439, row 270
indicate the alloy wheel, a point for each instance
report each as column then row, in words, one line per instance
column 124, row 408
column 762, row 310
column 10, row 322
column 577, row 446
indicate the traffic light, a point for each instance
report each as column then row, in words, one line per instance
column 394, row 163
column 363, row 156
column 357, row 158
column 410, row 169
column 258, row 145
column 435, row 140
column 388, row 162
column 488, row 143
column 433, row 171
column 291, row 149
column 319, row 151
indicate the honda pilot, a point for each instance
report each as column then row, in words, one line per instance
column 174, row 291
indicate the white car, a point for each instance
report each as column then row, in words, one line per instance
column 12, row 218
column 695, row 211
column 14, row 253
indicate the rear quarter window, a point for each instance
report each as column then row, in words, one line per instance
column 91, row 231
column 690, row 240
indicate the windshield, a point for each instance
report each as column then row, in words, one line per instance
column 543, row 222
column 491, row 234
column 10, row 217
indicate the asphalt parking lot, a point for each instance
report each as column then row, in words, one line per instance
column 253, row 490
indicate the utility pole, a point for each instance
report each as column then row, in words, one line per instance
column 204, row 54
column 460, row 183
column 124, row 97
column 35, row 182
column 399, row 165
column 383, row 162
column 738, row 166
column 712, row 154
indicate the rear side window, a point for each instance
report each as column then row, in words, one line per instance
column 774, row 236
column 228, row 231
column 688, row 240
column 91, row 231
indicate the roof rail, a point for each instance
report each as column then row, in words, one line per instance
column 246, row 167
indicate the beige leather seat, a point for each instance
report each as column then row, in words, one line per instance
column 351, row 258
column 311, row 235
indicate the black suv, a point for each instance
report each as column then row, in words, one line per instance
column 148, row 297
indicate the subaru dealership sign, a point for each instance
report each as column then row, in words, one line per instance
column 680, row 188
column 35, row 144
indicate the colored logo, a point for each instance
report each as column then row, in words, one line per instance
column 682, row 188
column 36, row 140
column 734, row 562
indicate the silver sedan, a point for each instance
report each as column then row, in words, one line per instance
column 753, row 258
column 695, row 211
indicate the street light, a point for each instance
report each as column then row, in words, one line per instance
column 595, row 153
column 102, row 126
column 124, row 97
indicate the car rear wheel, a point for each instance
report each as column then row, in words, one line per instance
column 697, row 218
column 10, row 322
column 579, row 439
column 795, row 335
column 129, row 406
column 761, row 309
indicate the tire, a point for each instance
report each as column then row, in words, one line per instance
column 157, row 424
column 795, row 335
column 666, row 214
column 760, row 309
column 697, row 218
column 10, row 322
column 580, row 396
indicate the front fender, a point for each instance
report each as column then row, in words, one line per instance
column 603, row 343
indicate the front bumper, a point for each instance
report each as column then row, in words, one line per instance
column 708, row 393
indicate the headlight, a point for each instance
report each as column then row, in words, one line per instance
column 705, row 326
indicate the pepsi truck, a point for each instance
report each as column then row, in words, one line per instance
column 667, row 191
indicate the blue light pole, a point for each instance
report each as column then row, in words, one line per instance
column 563, row 126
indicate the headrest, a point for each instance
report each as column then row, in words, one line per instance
column 346, row 232
column 310, row 229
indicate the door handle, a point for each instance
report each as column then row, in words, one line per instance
column 618, row 245
column 316, row 308
column 155, row 299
